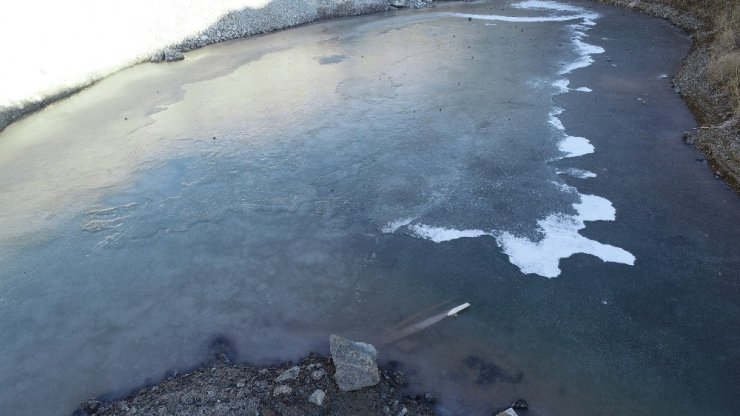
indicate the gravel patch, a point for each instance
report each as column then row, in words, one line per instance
column 224, row 388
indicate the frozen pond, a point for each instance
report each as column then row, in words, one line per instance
column 346, row 176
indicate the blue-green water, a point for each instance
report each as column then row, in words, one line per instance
column 264, row 191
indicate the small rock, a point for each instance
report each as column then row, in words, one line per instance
column 240, row 384
column 91, row 406
column 167, row 55
column 282, row 389
column 398, row 3
column 157, row 57
column 395, row 377
column 429, row 398
column 403, row 412
column 318, row 374
column 290, row 374
column 507, row 412
column 171, row 55
column 317, row 397
column 355, row 363
column 520, row 404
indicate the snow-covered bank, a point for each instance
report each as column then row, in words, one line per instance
column 58, row 48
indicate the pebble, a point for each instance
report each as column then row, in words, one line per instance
column 290, row 374
column 282, row 389
column 317, row 397
column 520, row 404
column 318, row 374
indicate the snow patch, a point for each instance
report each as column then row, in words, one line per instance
column 516, row 19
column 442, row 234
column 581, row 13
column 393, row 226
column 574, row 146
column 561, row 85
column 560, row 231
column 553, row 119
column 584, row 50
column 577, row 173
column 562, row 240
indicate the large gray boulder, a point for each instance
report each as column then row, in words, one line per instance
column 355, row 363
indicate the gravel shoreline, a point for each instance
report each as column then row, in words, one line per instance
column 221, row 387
column 224, row 388
column 718, row 134
column 349, row 382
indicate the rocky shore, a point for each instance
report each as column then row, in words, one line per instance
column 349, row 382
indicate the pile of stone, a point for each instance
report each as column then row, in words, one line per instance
column 278, row 14
column 347, row 383
column 414, row 4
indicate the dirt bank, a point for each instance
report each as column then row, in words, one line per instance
column 713, row 101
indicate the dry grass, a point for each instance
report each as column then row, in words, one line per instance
column 723, row 69
column 724, row 66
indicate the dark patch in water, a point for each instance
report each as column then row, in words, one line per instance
column 489, row 372
column 221, row 349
